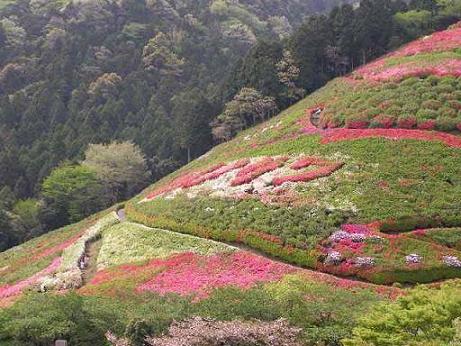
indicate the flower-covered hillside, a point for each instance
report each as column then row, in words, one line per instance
column 417, row 86
column 347, row 198
column 53, row 256
column 161, row 276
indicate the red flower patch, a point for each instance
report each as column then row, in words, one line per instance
column 250, row 172
column 321, row 172
column 427, row 125
column 190, row 274
column 336, row 135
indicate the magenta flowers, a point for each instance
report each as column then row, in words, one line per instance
column 190, row 274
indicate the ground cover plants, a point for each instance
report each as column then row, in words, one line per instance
column 28, row 265
column 386, row 153
column 131, row 243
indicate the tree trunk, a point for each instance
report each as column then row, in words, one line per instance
column 188, row 155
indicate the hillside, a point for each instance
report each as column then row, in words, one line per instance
column 310, row 217
column 376, row 182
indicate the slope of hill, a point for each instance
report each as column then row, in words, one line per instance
column 353, row 196
column 246, row 231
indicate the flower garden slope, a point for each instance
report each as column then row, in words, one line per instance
column 28, row 264
column 399, row 177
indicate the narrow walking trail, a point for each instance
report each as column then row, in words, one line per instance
column 91, row 268
column 92, row 252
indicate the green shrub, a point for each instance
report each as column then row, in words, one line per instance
column 446, row 124
column 40, row 319
column 423, row 317
column 432, row 104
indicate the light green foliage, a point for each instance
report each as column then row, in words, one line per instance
column 413, row 21
column 15, row 34
column 121, row 166
column 128, row 243
column 28, row 212
column 72, row 254
column 423, row 317
column 73, row 192
column 41, row 319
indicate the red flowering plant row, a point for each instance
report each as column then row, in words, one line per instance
column 8, row 291
column 252, row 171
column 375, row 72
column 325, row 168
column 341, row 134
column 197, row 178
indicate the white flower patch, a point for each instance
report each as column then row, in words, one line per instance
column 364, row 262
column 224, row 185
column 413, row 258
column 452, row 261
column 333, row 258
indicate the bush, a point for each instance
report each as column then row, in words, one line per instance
column 447, row 112
column 406, row 122
column 432, row 104
column 446, row 124
column 423, row 317
column 40, row 319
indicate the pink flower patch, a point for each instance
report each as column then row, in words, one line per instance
column 58, row 248
column 189, row 274
column 420, row 232
column 16, row 289
column 356, row 229
column 336, row 135
column 440, row 41
column 379, row 73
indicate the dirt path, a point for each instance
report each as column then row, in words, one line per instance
column 121, row 215
column 92, row 252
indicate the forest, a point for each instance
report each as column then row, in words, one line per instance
column 99, row 99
